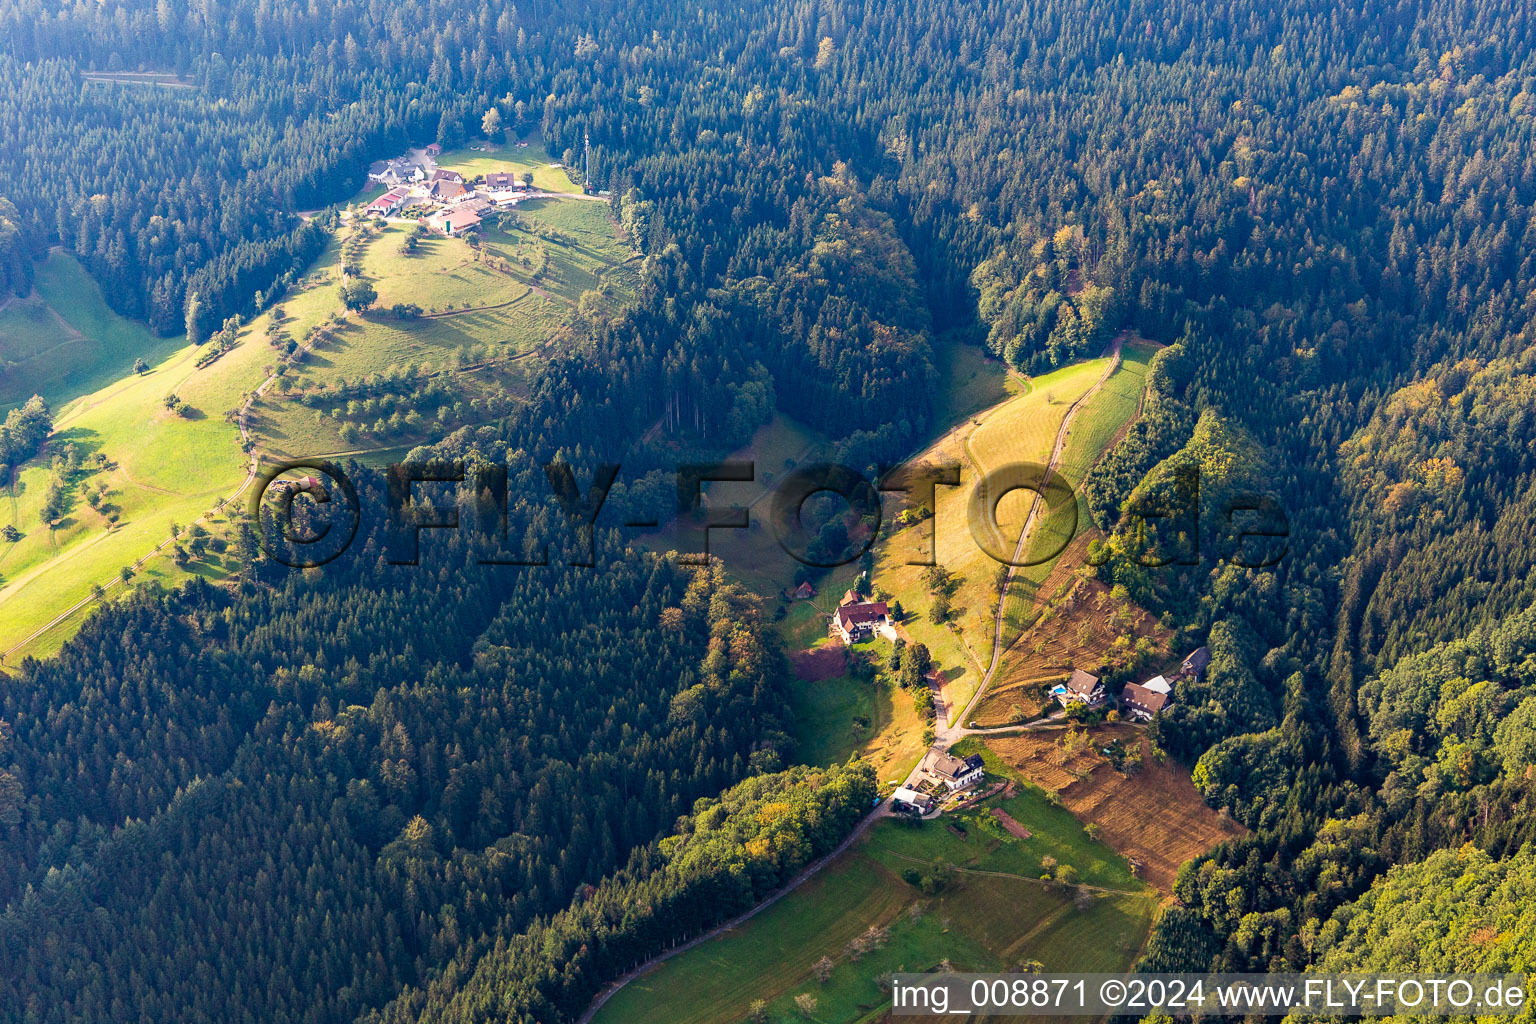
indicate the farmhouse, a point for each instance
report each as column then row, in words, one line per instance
column 444, row 190
column 502, row 180
column 860, row 621
column 904, row 798
column 395, row 171
column 1141, row 703
column 454, row 222
column 442, row 175
column 952, row 771
column 1081, row 688
column 388, row 203
column 1194, row 665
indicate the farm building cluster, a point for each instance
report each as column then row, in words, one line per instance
column 1140, row 701
column 857, row 619
column 939, row 778
column 444, row 200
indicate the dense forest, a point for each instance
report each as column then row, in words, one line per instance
column 351, row 775
column 1323, row 212
column 719, row 861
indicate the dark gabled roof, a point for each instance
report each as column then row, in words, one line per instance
column 851, row 614
column 1082, row 682
column 1197, row 660
column 1150, row 700
column 500, row 179
column 948, row 766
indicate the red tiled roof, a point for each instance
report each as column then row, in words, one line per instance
column 852, row 614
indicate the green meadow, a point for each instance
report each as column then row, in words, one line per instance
column 487, row 318
column 62, row 341
column 833, row 716
column 164, row 467
column 1094, row 428
column 974, row 922
column 842, row 717
column 1019, row 427
column 483, row 156
column 973, row 381
column 376, row 382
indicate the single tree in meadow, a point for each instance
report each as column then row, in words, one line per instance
column 939, row 611
column 357, row 295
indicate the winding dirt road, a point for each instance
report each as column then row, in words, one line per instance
column 944, row 738
column 952, row 731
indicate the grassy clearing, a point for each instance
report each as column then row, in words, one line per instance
column 803, row 625
column 754, row 556
column 563, row 247
column 509, row 156
column 872, row 718
column 164, row 468
column 63, row 342
column 977, row 923
column 1022, row 429
column 168, row 79
column 442, row 274
column 833, row 718
column 377, row 382
column 973, row 381
column 1098, row 422
column 412, row 380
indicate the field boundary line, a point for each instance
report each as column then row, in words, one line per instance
column 612, row 988
column 1026, row 878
